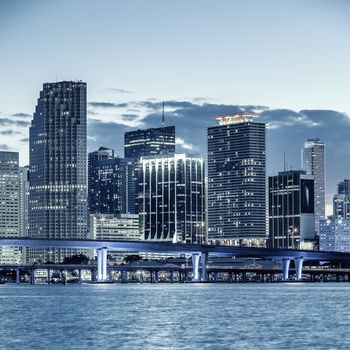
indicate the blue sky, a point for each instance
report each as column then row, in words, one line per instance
column 215, row 55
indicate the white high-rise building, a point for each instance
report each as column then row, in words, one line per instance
column 313, row 162
column 121, row 227
column 9, row 206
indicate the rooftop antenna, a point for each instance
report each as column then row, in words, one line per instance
column 284, row 161
column 163, row 120
column 163, row 124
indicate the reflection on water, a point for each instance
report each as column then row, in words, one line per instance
column 163, row 316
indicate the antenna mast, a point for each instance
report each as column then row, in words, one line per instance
column 163, row 124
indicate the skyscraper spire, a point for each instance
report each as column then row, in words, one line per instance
column 163, row 120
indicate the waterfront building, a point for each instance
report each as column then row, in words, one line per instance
column 313, row 162
column 10, row 223
column 237, row 181
column 149, row 142
column 115, row 227
column 58, row 181
column 172, row 198
column 335, row 235
column 111, row 183
column 291, row 210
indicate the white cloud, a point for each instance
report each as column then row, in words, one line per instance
column 182, row 143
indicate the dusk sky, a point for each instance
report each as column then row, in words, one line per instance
column 288, row 60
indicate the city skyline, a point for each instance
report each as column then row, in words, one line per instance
column 174, row 174
column 281, row 138
column 215, row 61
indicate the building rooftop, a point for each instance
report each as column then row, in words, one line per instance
column 242, row 117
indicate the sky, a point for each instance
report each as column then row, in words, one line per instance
column 288, row 60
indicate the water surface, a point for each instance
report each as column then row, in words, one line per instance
column 177, row 316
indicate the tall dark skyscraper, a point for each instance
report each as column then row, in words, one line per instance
column 291, row 210
column 237, row 181
column 149, row 142
column 111, row 183
column 172, row 199
column 58, row 181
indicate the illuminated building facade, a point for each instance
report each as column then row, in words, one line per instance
column 10, row 223
column 335, row 235
column 149, row 142
column 58, row 181
column 291, row 210
column 111, row 183
column 172, row 199
column 237, row 181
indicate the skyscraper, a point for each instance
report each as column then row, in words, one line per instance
column 10, row 223
column 111, row 183
column 291, row 210
column 344, row 187
column 149, row 142
column 237, row 181
column 58, row 181
column 313, row 162
column 172, row 199
column 341, row 200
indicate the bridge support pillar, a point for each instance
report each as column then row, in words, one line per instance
column 18, row 279
column 125, row 276
column 204, row 261
column 32, row 276
column 171, row 276
column 48, row 276
column 102, row 265
column 298, row 268
column 79, row 276
column 195, row 266
column 142, row 276
column 285, row 269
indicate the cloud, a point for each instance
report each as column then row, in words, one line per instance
column 107, row 105
column 22, row 115
column 183, row 144
column 4, row 147
column 25, row 140
column 287, row 130
column 9, row 132
column 19, row 123
column 119, row 91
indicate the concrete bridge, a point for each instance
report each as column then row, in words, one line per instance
column 199, row 252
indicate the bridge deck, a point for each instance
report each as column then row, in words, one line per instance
column 175, row 248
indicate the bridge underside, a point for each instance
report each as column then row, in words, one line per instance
column 199, row 252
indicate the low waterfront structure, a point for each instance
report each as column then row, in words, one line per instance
column 335, row 235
